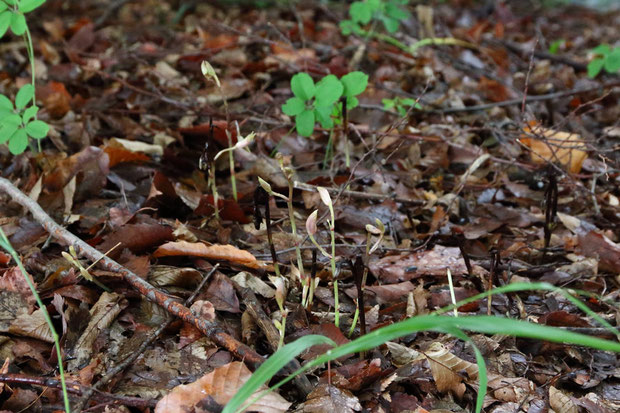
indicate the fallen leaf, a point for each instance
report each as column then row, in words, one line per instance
column 549, row 145
column 214, row 252
column 328, row 398
column 221, row 384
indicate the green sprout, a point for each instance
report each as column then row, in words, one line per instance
column 401, row 105
column 606, row 58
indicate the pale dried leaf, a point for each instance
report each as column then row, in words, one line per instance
column 102, row 314
column 32, row 325
column 164, row 275
column 549, row 145
column 445, row 365
column 221, row 384
column 254, row 283
column 511, row 389
column 402, row 355
column 326, row 398
column 560, row 402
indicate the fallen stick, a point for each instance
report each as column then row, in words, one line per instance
column 208, row 328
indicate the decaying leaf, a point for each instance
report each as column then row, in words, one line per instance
column 445, row 367
column 102, row 314
column 214, row 252
column 560, row 402
column 32, row 325
column 402, row 355
column 329, row 398
column 221, row 385
column 548, row 145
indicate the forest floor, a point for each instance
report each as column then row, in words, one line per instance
column 483, row 162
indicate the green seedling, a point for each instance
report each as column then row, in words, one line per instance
column 319, row 102
column 555, row 46
column 18, row 122
column 73, row 259
column 401, row 105
column 607, row 58
column 389, row 12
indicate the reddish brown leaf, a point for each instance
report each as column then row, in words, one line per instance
column 214, row 252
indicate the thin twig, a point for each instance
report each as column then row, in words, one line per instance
column 208, row 328
column 113, row 372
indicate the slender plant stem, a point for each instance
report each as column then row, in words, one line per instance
column 4, row 242
column 30, row 50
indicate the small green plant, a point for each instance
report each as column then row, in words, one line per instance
column 319, row 102
column 607, row 58
column 401, row 105
column 388, row 12
column 18, row 122
column 6, row 245
column 555, row 46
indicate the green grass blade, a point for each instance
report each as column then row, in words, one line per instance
column 270, row 367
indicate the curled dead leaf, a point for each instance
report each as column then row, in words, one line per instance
column 214, row 252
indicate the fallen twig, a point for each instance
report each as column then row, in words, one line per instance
column 76, row 388
column 208, row 328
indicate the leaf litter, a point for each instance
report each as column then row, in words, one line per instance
column 461, row 185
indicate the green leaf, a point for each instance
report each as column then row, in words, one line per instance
column 352, row 102
column 18, row 142
column 29, row 113
column 3, row 6
column 26, row 6
column 270, row 367
column 11, row 2
column 392, row 10
column 346, row 27
column 18, row 24
column 8, row 128
column 612, row 61
column 37, row 129
column 328, row 91
column 294, row 106
column 5, row 21
column 302, row 86
column 24, row 96
column 360, row 12
column 354, row 83
column 554, row 47
column 304, row 122
column 595, row 66
column 323, row 115
column 391, row 25
column 388, row 103
column 5, row 103
column 602, row 49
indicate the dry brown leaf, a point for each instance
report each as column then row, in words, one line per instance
column 511, row 389
column 326, row 398
column 214, row 252
column 560, row 402
column 221, row 385
column 402, row 355
column 567, row 149
column 32, row 325
column 445, row 365
column 102, row 314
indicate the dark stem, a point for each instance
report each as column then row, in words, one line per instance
column 272, row 248
column 358, row 275
column 551, row 208
column 461, row 241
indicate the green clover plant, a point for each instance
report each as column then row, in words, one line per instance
column 18, row 122
column 388, row 12
column 319, row 102
column 606, row 58
column 401, row 105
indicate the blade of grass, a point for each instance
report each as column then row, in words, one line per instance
column 270, row 367
column 445, row 324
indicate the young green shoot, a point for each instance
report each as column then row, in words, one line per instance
column 287, row 171
column 73, row 259
column 6, row 245
column 452, row 296
column 327, row 200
